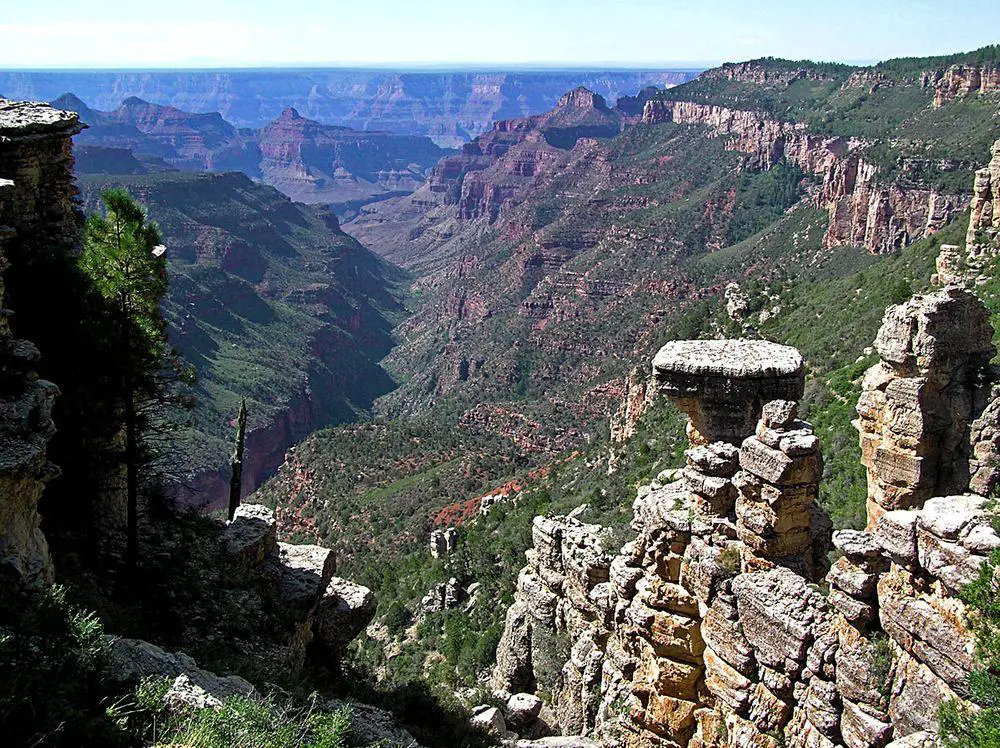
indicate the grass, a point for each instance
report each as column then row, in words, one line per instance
column 240, row 722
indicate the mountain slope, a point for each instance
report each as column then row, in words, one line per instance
column 272, row 302
column 545, row 269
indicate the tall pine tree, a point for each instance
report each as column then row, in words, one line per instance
column 125, row 259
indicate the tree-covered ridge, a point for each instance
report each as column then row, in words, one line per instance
column 985, row 56
column 865, row 102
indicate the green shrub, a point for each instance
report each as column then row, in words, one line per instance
column 729, row 561
column 959, row 725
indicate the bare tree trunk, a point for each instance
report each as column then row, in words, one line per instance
column 131, row 477
column 236, row 478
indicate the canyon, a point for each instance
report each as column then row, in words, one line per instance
column 554, row 229
column 449, row 107
column 680, row 348
column 271, row 301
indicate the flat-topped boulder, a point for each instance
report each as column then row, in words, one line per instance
column 31, row 117
column 731, row 359
column 723, row 385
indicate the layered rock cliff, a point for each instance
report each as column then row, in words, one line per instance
column 202, row 142
column 865, row 208
column 708, row 628
column 306, row 160
column 316, row 163
column 984, row 219
column 961, row 80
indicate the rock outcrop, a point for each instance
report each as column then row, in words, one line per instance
column 34, row 148
column 708, row 628
column 306, row 160
column 193, row 687
column 919, row 401
column 984, row 218
column 496, row 166
column 962, row 80
column 318, row 608
column 442, row 542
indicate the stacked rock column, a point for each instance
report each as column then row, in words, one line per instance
column 776, row 512
column 918, row 402
column 666, row 581
column 863, row 655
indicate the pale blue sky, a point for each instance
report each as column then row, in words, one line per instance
column 209, row 33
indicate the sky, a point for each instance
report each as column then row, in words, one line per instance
column 493, row 33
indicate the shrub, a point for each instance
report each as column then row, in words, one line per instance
column 51, row 656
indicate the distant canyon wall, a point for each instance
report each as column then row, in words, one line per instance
column 450, row 107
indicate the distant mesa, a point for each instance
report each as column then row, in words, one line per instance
column 307, row 160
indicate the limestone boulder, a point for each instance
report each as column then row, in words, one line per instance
column 251, row 535
column 489, row 720
column 131, row 660
column 344, row 611
column 522, row 709
column 303, row 573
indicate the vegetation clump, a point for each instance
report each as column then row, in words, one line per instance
column 962, row 726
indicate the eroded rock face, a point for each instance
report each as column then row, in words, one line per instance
column 864, row 209
column 555, row 632
column 316, row 607
column 918, row 402
column 984, row 218
column 344, row 611
column 962, row 80
column 711, row 630
column 35, row 189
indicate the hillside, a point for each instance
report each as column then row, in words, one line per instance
column 549, row 266
column 269, row 300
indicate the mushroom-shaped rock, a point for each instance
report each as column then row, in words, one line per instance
column 723, row 385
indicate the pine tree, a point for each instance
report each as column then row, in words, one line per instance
column 125, row 259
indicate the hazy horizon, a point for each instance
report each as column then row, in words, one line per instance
column 452, row 34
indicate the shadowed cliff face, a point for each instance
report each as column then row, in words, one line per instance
column 268, row 299
column 450, row 107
